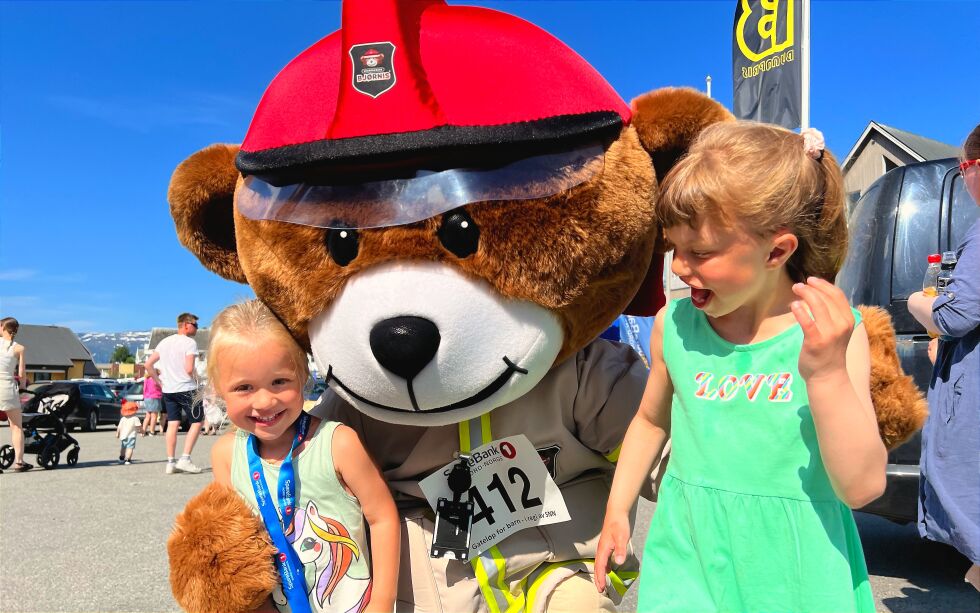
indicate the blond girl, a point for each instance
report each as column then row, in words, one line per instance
column 310, row 481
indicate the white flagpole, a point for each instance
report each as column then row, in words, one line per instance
column 805, row 69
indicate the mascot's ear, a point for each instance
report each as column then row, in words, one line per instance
column 667, row 121
column 201, row 197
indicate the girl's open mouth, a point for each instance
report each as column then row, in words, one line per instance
column 700, row 297
column 270, row 420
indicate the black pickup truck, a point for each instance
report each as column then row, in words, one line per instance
column 909, row 213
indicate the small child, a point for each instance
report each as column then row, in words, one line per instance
column 152, row 403
column 213, row 415
column 259, row 371
column 762, row 379
column 126, row 431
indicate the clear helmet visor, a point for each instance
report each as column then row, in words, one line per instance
column 426, row 194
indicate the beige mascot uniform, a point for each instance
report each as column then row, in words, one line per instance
column 447, row 206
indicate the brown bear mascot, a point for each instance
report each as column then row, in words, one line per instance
column 446, row 205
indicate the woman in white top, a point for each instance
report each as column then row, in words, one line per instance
column 12, row 373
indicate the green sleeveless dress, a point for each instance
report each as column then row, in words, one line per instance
column 747, row 519
column 328, row 527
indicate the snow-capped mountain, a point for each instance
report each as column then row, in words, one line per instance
column 103, row 344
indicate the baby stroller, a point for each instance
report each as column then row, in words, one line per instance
column 45, row 433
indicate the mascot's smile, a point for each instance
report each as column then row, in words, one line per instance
column 384, row 344
column 481, row 395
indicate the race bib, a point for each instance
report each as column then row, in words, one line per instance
column 511, row 491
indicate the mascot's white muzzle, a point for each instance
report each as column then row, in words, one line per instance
column 422, row 344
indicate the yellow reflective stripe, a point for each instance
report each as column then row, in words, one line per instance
column 485, row 428
column 473, row 430
column 616, row 582
column 495, row 591
column 501, row 564
column 518, row 605
column 484, row 581
column 613, row 456
column 621, row 580
column 464, row 436
column 532, row 593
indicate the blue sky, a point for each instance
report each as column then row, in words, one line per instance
column 99, row 101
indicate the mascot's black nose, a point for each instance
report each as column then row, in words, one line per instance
column 404, row 345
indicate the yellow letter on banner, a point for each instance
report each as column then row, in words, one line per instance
column 767, row 28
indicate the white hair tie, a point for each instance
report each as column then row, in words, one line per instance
column 813, row 143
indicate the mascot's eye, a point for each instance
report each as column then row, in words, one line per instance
column 459, row 234
column 342, row 244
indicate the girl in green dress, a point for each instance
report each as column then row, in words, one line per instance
column 761, row 381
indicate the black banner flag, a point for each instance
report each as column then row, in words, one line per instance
column 767, row 61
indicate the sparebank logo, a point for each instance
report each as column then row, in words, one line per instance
column 773, row 24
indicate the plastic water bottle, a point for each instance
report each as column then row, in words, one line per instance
column 946, row 266
column 930, row 282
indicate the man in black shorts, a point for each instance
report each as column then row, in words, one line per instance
column 172, row 367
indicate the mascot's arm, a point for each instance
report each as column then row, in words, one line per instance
column 220, row 555
column 899, row 405
column 611, row 378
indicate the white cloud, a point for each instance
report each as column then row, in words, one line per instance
column 10, row 303
column 76, row 324
column 147, row 115
column 17, row 274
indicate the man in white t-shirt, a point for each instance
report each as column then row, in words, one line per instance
column 172, row 367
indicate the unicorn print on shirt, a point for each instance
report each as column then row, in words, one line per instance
column 326, row 544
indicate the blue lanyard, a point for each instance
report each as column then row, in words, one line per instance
column 290, row 567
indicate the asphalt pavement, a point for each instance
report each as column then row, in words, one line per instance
column 92, row 537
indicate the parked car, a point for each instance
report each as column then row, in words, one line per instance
column 97, row 405
column 117, row 387
column 909, row 213
column 134, row 392
column 27, row 393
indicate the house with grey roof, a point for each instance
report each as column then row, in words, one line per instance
column 54, row 353
column 882, row 148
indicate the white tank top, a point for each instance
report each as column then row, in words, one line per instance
column 8, row 360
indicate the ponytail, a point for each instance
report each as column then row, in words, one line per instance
column 10, row 326
column 833, row 218
column 823, row 241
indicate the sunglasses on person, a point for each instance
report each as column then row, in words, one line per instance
column 191, row 323
column 968, row 164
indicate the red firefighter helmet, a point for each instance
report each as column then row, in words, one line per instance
column 388, row 88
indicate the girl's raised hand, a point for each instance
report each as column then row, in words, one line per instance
column 827, row 322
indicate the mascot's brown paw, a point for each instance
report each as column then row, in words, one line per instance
column 899, row 404
column 220, row 554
